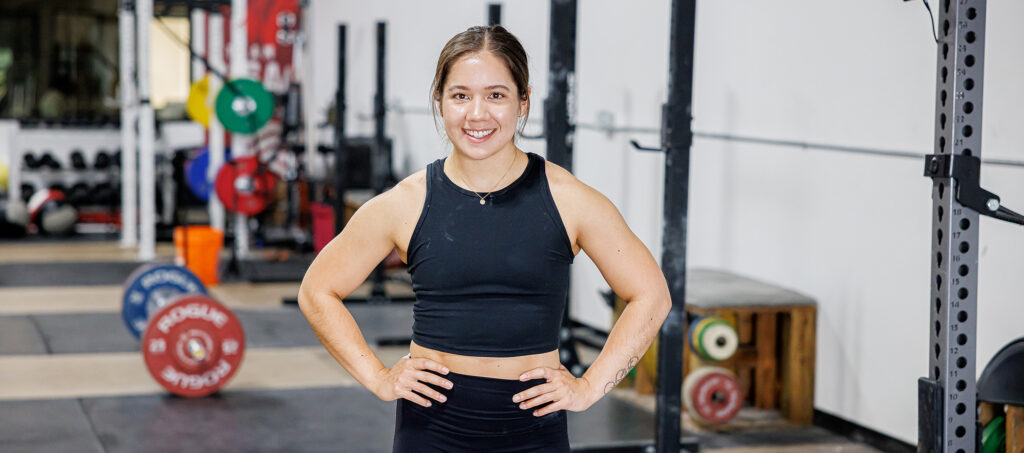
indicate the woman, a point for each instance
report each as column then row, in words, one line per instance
column 489, row 233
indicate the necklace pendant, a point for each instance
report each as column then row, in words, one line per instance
column 482, row 202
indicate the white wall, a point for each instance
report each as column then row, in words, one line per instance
column 852, row 231
column 416, row 33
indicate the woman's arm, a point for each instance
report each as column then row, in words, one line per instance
column 633, row 275
column 338, row 270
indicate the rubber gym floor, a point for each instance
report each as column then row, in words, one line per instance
column 72, row 377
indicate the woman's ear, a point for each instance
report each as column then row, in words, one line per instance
column 524, row 104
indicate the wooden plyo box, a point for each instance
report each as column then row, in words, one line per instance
column 1014, row 423
column 775, row 360
column 776, row 327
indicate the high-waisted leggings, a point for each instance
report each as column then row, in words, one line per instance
column 478, row 416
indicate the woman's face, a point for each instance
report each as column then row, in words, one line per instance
column 480, row 106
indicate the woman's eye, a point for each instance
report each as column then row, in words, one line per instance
column 497, row 95
column 460, row 96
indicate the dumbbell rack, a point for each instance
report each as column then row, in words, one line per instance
column 42, row 158
column 98, row 195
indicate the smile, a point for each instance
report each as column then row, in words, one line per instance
column 478, row 134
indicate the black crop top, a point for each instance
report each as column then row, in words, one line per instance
column 490, row 280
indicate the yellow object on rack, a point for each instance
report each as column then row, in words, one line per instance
column 3, row 177
column 196, row 106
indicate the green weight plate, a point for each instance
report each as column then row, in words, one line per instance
column 693, row 335
column 717, row 339
column 244, row 111
column 993, row 437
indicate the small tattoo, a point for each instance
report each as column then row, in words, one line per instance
column 621, row 374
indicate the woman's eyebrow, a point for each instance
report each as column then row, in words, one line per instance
column 465, row 88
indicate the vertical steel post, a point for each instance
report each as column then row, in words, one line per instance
column 129, row 116
column 147, row 136
column 494, row 14
column 380, row 162
column 558, row 133
column 239, row 68
column 948, row 422
column 340, row 155
column 381, row 159
column 197, row 30
column 215, row 56
column 677, row 137
column 558, row 114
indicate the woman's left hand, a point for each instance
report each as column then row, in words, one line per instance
column 562, row 390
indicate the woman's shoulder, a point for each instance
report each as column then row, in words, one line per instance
column 405, row 196
column 565, row 186
column 409, row 193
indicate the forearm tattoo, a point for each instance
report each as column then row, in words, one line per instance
column 621, row 375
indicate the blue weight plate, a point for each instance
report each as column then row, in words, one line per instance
column 150, row 288
column 195, row 173
column 691, row 332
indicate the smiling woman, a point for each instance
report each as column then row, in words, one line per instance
column 489, row 233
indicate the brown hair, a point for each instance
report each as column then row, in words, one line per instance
column 494, row 39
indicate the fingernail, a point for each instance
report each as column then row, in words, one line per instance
column 515, row 399
column 448, row 384
column 442, row 399
column 445, row 370
column 522, row 406
column 428, row 403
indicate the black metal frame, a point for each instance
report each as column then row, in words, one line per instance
column 494, row 14
column 558, row 135
column 381, row 171
column 558, row 116
column 677, row 138
column 340, row 156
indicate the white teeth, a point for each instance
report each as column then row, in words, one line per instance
column 479, row 134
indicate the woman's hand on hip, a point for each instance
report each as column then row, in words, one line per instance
column 562, row 390
column 408, row 377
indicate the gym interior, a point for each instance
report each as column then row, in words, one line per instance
column 807, row 174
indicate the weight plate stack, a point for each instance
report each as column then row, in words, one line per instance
column 152, row 287
column 713, row 338
column 712, row 395
column 193, row 346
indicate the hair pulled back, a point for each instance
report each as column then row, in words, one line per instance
column 494, row 39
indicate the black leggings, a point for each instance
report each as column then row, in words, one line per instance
column 479, row 416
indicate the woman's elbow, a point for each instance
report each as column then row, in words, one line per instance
column 306, row 298
column 664, row 305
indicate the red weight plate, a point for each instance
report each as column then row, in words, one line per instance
column 245, row 186
column 193, row 346
column 716, row 397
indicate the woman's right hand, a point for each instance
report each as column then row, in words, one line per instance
column 409, row 375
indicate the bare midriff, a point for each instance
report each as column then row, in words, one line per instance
column 492, row 367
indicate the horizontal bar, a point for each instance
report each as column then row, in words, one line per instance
column 747, row 139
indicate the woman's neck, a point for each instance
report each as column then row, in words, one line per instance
column 487, row 174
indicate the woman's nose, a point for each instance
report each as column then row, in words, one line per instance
column 477, row 110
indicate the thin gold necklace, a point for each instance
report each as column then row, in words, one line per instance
column 483, row 199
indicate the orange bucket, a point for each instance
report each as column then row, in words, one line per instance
column 198, row 248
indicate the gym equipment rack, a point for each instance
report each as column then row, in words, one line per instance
column 947, row 406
